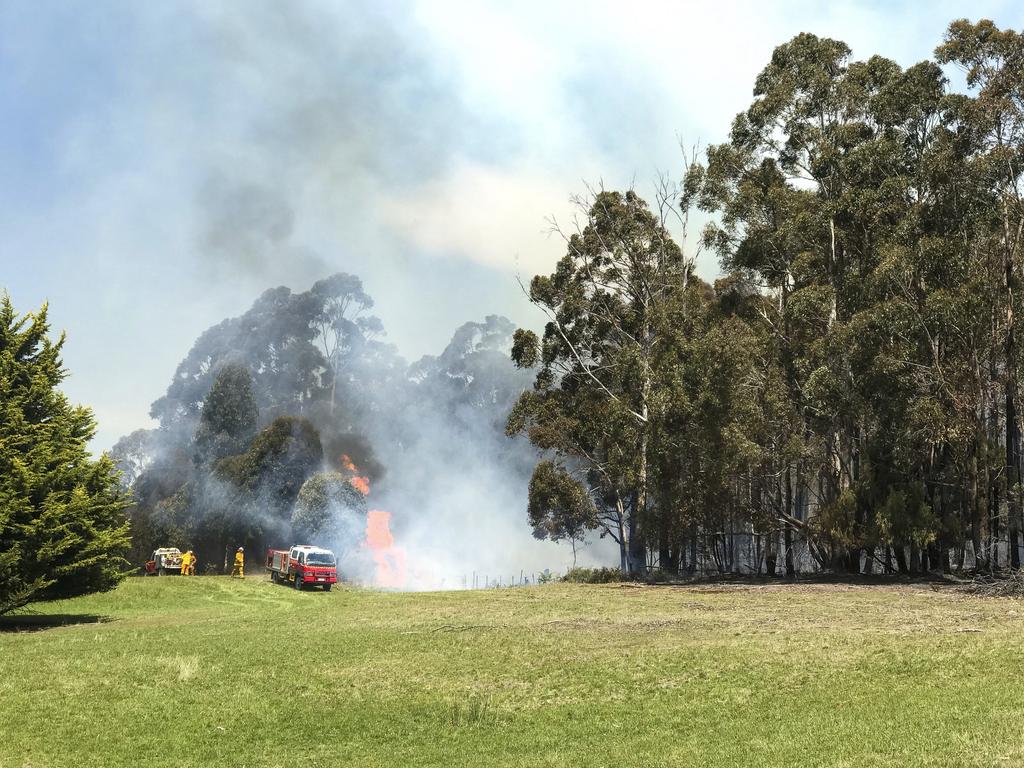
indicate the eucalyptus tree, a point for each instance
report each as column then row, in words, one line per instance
column 341, row 323
column 993, row 60
column 870, row 222
column 582, row 429
column 273, row 339
column 560, row 506
column 782, row 186
column 766, row 235
column 834, row 197
column 708, row 410
column 603, row 304
column 229, row 415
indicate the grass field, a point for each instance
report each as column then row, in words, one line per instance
column 211, row 671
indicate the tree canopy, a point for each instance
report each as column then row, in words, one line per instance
column 847, row 394
column 268, row 408
column 62, row 527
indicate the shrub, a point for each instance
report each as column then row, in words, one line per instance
column 615, row 575
column 596, row 576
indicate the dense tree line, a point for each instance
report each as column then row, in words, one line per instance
column 846, row 397
column 263, row 419
column 236, row 439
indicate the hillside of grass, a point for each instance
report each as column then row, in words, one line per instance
column 213, row 671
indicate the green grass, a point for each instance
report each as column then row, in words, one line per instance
column 210, row 671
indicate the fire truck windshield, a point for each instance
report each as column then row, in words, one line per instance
column 319, row 558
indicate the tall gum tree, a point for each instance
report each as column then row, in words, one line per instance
column 993, row 61
column 603, row 303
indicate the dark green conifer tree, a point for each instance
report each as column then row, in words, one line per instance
column 62, row 526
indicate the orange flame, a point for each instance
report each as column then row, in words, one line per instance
column 360, row 482
column 390, row 560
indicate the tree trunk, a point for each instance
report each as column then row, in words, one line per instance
column 978, row 521
column 623, row 539
column 1012, row 469
column 665, row 558
column 994, row 503
column 770, row 560
column 638, row 520
column 788, row 540
column 1012, row 427
column 335, row 359
column 900, row 553
column 636, row 562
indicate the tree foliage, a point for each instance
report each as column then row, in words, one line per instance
column 329, row 508
column 235, row 460
column 847, row 395
column 229, row 415
column 62, row 526
column 596, row 385
column 559, row 507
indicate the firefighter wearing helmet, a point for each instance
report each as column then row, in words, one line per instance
column 239, row 567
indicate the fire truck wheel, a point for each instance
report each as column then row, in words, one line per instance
column 273, row 576
column 327, row 587
column 298, row 581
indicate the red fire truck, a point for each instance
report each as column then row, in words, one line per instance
column 302, row 566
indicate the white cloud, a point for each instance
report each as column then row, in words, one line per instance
column 497, row 216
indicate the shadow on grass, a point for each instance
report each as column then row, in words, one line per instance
column 657, row 578
column 37, row 622
column 715, row 582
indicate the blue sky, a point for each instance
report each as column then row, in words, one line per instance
column 163, row 163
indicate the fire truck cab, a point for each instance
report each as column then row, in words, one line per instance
column 303, row 566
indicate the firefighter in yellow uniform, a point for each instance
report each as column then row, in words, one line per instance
column 191, row 563
column 239, row 567
column 186, row 563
